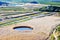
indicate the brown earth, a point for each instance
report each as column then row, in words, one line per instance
column 42, row 27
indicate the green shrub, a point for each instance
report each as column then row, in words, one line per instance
column 58, row 28
column 52, row 37
column 58, row 37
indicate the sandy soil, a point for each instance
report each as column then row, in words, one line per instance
column 42, row 27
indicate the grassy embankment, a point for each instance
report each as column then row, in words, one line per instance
column 56, row 33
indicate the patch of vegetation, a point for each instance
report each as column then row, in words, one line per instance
column 58, row 31
column 57, row 34
column 13, row 9
column 58, row 28
column 52, row 37
column 59, row 37
column 36, row 9
column 15, row 20
column 50, row 9
column 52, row 3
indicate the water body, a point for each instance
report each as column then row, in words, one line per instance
column 22, row 28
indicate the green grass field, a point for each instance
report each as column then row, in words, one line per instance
column 53, row 3
column 13, row 9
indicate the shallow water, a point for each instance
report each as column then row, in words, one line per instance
column 23, row 29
